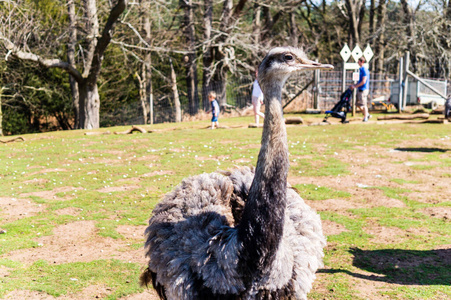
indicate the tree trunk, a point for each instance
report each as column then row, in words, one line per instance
column 90, row 104
column 354, row 13
column 409, row 22
column 175, row 92
column 372, row 23
column 294, row 35
column 92, row 31
column 71, row 60
column 190, row 58
column 142, row 92
column 257, row 25
column 146, row 74
column 1, row 114
column 207, row 60
column 380, row 39
column 220, row 76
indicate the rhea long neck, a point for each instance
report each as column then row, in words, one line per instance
column 261, row 226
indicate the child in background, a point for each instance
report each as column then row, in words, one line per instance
column 214, row 109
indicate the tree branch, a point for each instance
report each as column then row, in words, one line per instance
column 105, row 39
column 49, row 63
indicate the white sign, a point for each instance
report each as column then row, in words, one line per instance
column 352, row 66
column 368, row 53
column 355, row 66
column 355, row 76
column 345, row 53
column 356, row 53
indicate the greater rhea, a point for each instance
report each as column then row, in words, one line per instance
column 240, row 234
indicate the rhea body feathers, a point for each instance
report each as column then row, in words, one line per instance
column 243, row 234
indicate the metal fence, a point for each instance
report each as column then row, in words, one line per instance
column 238, row 95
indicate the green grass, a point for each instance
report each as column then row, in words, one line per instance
column 63, row 279
column 314, row 192
column 116, row 180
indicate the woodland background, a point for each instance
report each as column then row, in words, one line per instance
column 68, row 64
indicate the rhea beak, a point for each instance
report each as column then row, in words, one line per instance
column 313, row 65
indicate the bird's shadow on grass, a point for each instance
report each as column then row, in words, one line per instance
column 422, row 149
column 406, row 267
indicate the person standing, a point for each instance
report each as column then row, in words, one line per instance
column 363, row 89
column 257, row 99
column 214, row 109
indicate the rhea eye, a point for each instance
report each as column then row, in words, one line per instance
column 288, row 57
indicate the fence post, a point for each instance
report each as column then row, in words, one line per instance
column 401, row 89
column 343, row 78
column 151, row 108
column 316, row 89
column 406, row 81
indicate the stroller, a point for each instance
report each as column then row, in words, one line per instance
column 341, row 108
column 447, row 110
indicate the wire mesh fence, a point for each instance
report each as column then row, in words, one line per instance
column 238, row 93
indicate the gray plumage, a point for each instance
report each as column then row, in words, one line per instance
column 242, row 234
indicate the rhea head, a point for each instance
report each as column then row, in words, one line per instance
column 280, row 62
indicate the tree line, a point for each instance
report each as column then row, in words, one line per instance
column 71, row 60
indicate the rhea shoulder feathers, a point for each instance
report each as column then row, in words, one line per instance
column 194, row 226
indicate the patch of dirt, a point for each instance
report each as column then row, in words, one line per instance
column 330, row 205
column 148, row 158
column 69, row 211
column 201, row 158
column 160, row 172
column 49, row 195
column 370, row 288
column 362, row 195
column 47, row 171
column 12, row 209
column 250, row 146
column 29, row 295
column 36, row 181
column 132, row 232
column 148, row 294
column 384, row 235
column 332, row 228
column 118, row 188
column 90, row 292
column 78, row 242
column 242, row 160
column 4, row 272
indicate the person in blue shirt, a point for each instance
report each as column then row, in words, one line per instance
column 362, row 89
column 214, row 109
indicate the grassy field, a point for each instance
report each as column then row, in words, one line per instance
column 73, row 207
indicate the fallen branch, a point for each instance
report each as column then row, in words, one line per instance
column 134, row 128
column 13, row 140
column 296, row 120
column 404, row 117
column 253, row 125
column 438, row 121
column 320, row 123
column 97, row 133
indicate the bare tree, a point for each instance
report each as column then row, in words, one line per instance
column 410, row 30
column 380, row 36
column 355, row 11
column 190, row 58
column 96, row 44
column 175, row 93
column 207, row 50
